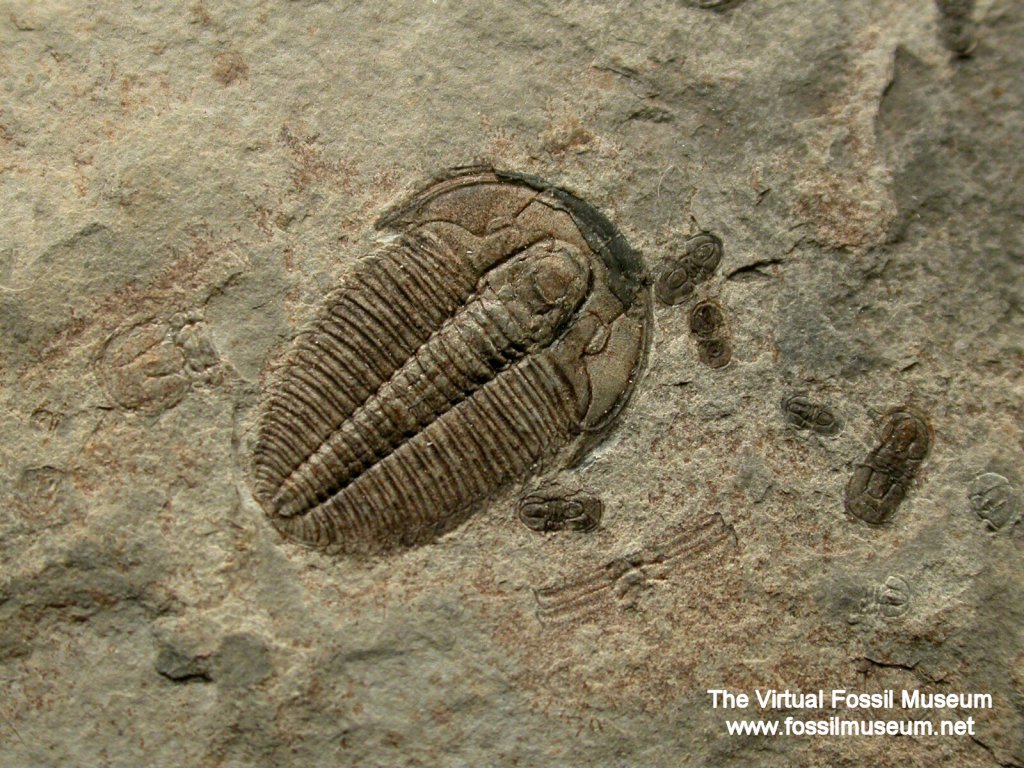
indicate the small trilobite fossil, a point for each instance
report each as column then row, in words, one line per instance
column 802, row 413
column 553, row 511
column 880, row 483
column 993, row 499
column 701, row 256
column 707, row 323
column 497, row 336
column 150, row 366
column 890, row 599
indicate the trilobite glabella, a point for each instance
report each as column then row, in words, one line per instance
column 498, row 335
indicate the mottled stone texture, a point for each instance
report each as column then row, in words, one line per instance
column 182, row 183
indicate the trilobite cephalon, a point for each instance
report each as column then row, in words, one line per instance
column 498, row 335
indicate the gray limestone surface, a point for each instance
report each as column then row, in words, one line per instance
column 181, row 183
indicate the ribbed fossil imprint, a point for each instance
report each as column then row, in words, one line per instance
column 499, row 335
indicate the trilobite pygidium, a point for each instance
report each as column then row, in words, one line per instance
column 498, row 336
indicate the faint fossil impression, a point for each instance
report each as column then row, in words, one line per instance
column 43, row 497
column 552, row 510
column 994, row 500
column 498, row 335
column 45, row 420
column 890, row 599
column 956, row 26
column 802, row 413
column 880, row 483
column 698, row 261
column 707, row 323
column 619, row 583
column 150, row 366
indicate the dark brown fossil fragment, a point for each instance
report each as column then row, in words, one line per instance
column 499, row 335
column 880, row 483
column 701, row 256
column 551, row 511
column 802, row 413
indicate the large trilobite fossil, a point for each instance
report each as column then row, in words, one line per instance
column 497, row 336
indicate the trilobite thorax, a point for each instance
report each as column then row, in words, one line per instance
column 500, row 333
